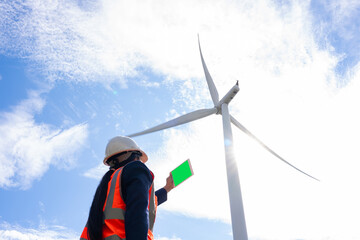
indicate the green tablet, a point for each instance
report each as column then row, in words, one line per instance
column 182, row 172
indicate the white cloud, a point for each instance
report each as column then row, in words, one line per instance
column 15, row 232
column 96, row 172
column 28, row 149
column 114, row 40
column 166, row 238
column 337, row 26
column 343, row 11
column 44, row 232
column 105, row 45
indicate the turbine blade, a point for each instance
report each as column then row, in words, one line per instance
column 242, row 128
column 189, row 117
column 213, row 92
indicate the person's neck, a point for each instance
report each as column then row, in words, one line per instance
column 123, row 163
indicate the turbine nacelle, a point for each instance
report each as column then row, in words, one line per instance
column 228, row 97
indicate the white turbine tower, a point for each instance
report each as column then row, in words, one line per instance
column 221, row 107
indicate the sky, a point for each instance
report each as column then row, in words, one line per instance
column 74, row 74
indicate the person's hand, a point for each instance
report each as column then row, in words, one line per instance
column 169, row 183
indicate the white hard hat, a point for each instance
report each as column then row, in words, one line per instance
column 121, row 144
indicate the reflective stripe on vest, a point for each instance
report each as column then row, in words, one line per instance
column 114, row 237
column 115, row 208
column 152, row 205
column 110, row 211
column 84, row 236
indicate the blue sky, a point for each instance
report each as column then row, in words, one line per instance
column 73, row 74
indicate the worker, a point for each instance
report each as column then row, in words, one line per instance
column 124, row 205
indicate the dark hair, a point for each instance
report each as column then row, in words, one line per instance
column 95, row 220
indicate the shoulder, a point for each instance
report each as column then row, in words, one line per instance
column 136, row 166
column 136, row 169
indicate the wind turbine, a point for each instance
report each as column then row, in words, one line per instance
column 221, row 107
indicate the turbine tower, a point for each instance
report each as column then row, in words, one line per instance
column 221, row 107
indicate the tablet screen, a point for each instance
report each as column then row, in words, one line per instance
column 182, row 172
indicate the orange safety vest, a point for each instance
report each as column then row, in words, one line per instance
column 115, row 208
